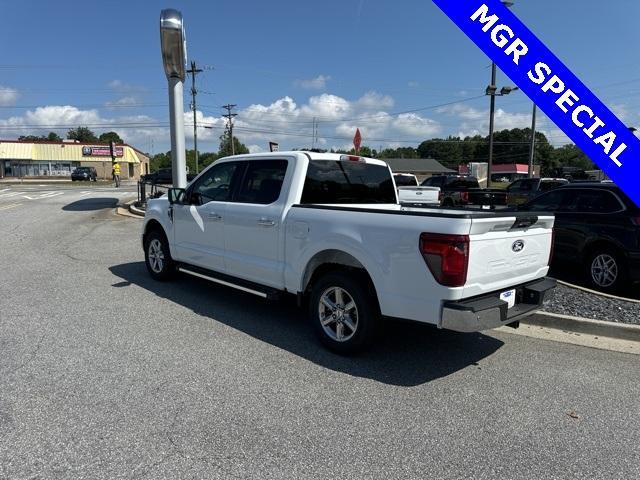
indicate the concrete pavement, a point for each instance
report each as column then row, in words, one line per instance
column 105, row 373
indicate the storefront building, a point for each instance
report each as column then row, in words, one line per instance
column 58, row 159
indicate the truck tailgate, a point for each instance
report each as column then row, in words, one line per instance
column 507, row 251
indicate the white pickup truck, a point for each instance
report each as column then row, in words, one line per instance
column 329, row 229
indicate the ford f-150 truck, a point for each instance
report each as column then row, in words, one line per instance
column 329, row 229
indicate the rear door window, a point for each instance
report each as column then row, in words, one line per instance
column 262, row 182
column 332, row 181
column 593, row 201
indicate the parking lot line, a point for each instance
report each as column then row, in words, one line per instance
column 9, row 206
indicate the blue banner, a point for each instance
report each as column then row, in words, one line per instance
column 549, row 83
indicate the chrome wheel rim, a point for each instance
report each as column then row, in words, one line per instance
column 338, row 314
column 156, row 255
column 604, row 270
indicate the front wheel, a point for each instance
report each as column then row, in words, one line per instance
column 606, row 271
column 344, row 312
column 158, row 257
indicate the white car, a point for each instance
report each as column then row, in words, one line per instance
column 329, row 229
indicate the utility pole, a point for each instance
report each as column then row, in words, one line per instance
column 194, row 71
column 532, row 148
column 229, row 117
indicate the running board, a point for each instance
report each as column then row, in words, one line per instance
column 238, row 284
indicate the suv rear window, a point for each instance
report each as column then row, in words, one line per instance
column 331, row 181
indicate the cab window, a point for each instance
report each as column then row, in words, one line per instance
column 215, row 185
column 262, row 182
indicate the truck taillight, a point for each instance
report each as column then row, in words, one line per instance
column 447, row 257
column 464, row 196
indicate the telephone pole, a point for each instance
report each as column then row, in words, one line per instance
column 229, row 117
column 194, row 71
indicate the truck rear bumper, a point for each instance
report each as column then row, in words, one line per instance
column 488, row 311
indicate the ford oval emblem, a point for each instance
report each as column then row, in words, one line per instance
column 517, row 246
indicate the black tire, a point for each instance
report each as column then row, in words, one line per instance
column 157, row 256
column 366, row 313
column 605, row 270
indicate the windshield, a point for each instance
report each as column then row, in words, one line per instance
column 462, row 182
column 330, row 181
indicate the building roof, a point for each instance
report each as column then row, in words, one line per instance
column 63, row 151
column 411, row 165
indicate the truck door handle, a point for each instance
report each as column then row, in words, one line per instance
column 214, row 216
column 265, row 222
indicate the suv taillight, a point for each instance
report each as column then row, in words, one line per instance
column 464, row 196
column 636, row 220
column 447, row 257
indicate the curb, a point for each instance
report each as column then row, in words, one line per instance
column 587, row 326
column 127, row 209
column 135, row 210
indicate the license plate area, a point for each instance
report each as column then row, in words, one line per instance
column 509, row 296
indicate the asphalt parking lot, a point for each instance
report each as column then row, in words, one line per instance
column 105, row 373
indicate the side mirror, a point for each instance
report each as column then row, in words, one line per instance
column 176, row 195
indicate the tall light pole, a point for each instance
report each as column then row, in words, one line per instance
column 174, row 57
column 491, row 89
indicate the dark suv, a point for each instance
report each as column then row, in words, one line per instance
column 598, row 228
column 84, row 173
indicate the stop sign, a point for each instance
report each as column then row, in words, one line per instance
column 357, row 140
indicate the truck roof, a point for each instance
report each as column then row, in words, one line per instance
column 311, row 155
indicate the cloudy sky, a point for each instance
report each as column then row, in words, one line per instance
column 400, row 71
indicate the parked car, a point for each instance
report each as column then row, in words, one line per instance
column 405, row 180
column 84, row 173
column 523, row 190
column 328, row 228
column 163, row 176
column 464, row 190
column 598, row 229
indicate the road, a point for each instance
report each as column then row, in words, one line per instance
column 105, row 373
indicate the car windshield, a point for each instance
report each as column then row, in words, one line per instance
column 83, row 169
column 405, row 181
column 462, row 182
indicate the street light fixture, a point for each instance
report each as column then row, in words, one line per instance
column 174, row 58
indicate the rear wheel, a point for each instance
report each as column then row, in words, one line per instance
column 344, row 312
column 158, row 257
column 605, row 270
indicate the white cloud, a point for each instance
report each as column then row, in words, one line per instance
column 413, row 84
column 317, row 83
column 374, row 100
column 8, row 96
column 122, row 102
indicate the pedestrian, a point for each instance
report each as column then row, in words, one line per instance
column 116, row 174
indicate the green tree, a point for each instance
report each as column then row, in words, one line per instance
column 160, row 160
column 107, row 137
column 567, row 156
column 54, row 137
column 82, row 134
column 225, row 145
